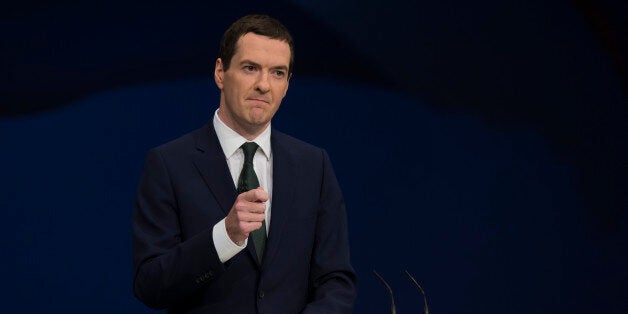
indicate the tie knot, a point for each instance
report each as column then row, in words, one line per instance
column 249, row 149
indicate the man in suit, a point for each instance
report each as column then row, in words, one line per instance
column 237, row 217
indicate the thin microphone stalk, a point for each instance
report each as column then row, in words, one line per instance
column 393, row 309
column 426, row 310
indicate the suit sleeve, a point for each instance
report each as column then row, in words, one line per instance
column 332, row 279
column 167, row 270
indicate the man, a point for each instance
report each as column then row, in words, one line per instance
column 237, row 217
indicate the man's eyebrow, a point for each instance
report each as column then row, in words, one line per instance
column 280, row 67
column 249, row 62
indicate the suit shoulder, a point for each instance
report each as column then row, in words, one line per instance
column 295, row 143
column 180, row 144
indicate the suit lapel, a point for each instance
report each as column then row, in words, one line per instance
column 283, row 191
column 212, row 165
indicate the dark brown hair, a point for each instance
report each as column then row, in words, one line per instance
column 263, row 25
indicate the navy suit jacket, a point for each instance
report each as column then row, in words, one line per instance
column 186, row 188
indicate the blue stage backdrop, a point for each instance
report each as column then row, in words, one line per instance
column 493, row 136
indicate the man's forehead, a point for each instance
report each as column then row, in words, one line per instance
column 262, row 46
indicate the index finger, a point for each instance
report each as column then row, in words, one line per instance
column 255, row 195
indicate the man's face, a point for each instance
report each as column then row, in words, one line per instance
column 255, row 83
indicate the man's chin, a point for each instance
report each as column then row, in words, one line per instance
column 259, row 123
column 259, row 118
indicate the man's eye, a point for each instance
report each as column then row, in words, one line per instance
column 249, row 68
column 279, row 73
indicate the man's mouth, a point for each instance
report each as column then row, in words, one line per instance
column 259, row 100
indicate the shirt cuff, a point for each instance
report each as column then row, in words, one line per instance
column 225, row 248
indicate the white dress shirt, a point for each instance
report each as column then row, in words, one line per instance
column 230, row 141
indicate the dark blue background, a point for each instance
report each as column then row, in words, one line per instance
column 493, row 134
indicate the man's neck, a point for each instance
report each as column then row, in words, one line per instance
column 248, row 133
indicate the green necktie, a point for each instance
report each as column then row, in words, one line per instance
column 248, row 181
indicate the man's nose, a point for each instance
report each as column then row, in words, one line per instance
column 263, row 85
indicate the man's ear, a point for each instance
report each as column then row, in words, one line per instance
column 219, row 73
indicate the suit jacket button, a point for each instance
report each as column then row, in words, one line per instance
column 261, row 294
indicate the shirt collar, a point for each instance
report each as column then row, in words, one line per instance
column 230, row 140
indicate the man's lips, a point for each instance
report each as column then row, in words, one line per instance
column 259, row 100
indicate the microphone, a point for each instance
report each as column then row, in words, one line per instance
column 426, row 310
column 393, row 309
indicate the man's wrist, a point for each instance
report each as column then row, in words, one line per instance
column 225, row 246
